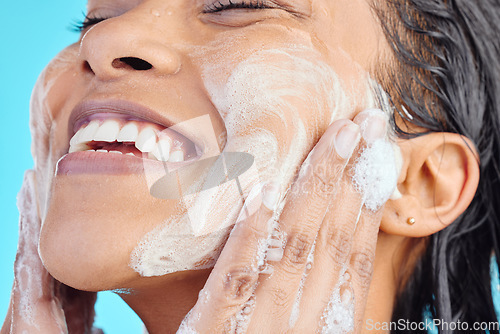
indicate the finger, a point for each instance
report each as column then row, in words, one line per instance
column 333, row 247
column 361, row 263
column 345, row 310
column 353, row 249
column 34, row 306
column 302, row 216
column 377, row 187
column 226, row 300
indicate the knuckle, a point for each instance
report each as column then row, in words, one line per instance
column 239, row 285
column 325, row 176
column 362, row 265
column 248, row 230
column 297, row 249
column 280, row 297
column 338, row 244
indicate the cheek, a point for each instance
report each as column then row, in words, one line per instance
column 275, row 104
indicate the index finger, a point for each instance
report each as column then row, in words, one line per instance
column 225, row 302
column 303, row 214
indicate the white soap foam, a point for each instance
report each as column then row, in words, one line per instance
column 186, row 327
column 338, row 317
column 28, row 283
column 294, row 314
column 375, row 173
column 241, row 320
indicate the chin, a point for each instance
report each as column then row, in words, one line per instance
column 96, row 223
column 89, row 231
column 82, row 259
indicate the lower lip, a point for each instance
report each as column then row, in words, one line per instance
column 110, row 163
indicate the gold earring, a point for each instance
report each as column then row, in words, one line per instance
column 411, row 221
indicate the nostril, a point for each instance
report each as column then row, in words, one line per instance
column 87, row 68
column 135, row 63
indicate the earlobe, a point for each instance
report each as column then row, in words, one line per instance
column 438, row 181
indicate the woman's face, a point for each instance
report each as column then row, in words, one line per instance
column 184, row 81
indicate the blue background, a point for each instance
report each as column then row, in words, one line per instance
column 31, row 34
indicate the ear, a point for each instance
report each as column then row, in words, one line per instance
column 438, row 181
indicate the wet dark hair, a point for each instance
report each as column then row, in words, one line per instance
column 445, row 72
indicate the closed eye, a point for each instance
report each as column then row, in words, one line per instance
column 218, row 6
column 87, row 22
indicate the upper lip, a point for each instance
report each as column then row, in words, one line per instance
column 120, row 107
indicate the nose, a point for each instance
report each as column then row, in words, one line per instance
column 119, row 46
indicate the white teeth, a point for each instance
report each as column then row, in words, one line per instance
column 75, row 140
column 162, row 150
column 176, row 156
column 78, row 148
column 165, row 149
column 88, row 132
column 128, row 133
column 146, row 140
column 107, row 131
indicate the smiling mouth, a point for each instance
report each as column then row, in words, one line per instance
column 112, row 134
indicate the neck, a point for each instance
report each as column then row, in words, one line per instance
column 391, row 255
column 162, row 302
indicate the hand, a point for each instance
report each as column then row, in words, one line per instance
column 309, row 270
column 40, row 304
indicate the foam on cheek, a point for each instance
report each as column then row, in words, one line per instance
column 262, row 104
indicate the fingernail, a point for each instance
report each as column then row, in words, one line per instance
column 374, row 124
column 346, row 140
column 271, row 195
column 267, row 270
column 275, row 243
column 274, row 254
